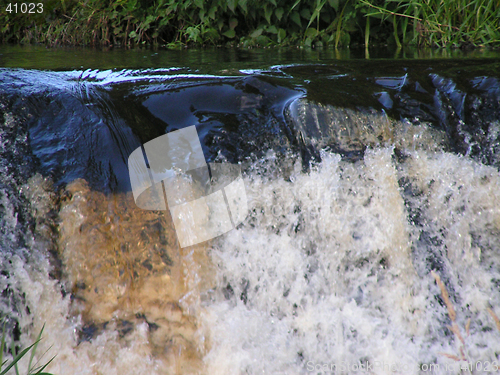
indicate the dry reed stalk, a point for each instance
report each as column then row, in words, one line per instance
column 451, row 356
column 453, row 316
column 446, row 297
column 495, row 318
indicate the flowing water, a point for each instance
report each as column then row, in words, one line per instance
column 372, row 187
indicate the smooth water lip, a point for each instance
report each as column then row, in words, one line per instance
column 109, row 77
column 276, row 68
column 335, row 76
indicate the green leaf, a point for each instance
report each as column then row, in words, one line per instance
column 334, row 4
column 243, row 6
column 193, row 33
column 256, row 33
column 174, row 45
column 281, row 35
column 164, row 21
column 211, row 12
column 229, row 33
column 232, row 4
column 295, row 17
column 271, row 29
column 233, row 22
column 132, row 34
column 279, row 13
column 211, row 33
column 325, row 17
column 252, row 13
column 131, row 5
column 268, row 12
column 311, row 33
column 305, row 13
column 263, row 40
column 199, row 3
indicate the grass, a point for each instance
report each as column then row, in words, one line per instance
column 33, row 369
column 334, row 23
column 441, row 23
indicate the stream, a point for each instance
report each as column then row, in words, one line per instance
column 372, row 187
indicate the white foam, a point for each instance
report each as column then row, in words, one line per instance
column 331, row 277
column 330, row 268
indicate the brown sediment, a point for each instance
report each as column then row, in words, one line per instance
column 124, row 264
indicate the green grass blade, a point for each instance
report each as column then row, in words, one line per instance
column 367, row 32
column 316, row 13
column 16, row 359
column 339, row 25
column 13, row 349
column 39, row 371
column 2, row 345
column 395, row 26
column 34, row 348
column 41, row 368
column 294, row 5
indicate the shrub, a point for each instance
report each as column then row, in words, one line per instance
column 256, row 22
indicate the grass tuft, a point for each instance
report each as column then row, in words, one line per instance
column 33, row 369
column 177, row 23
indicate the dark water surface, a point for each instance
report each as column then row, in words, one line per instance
column 69, row 58
column 362, row 177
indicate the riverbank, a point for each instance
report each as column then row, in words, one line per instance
column 312, row 23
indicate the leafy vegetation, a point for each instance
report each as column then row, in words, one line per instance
column 33, row 369
column 440, row 23
column 177, row 23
